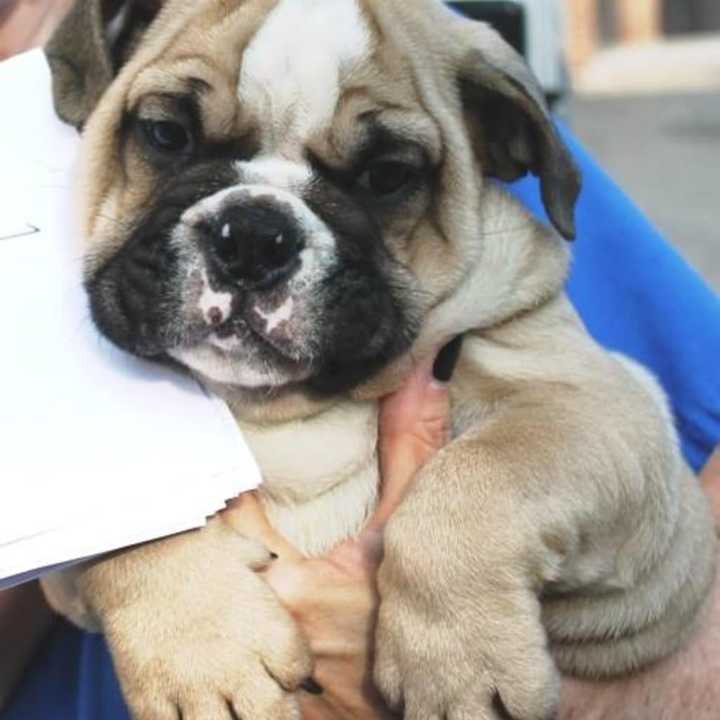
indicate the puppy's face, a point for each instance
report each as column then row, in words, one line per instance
column 279, row 192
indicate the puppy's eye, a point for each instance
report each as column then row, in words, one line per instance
column 387, row 177
column 167, row 136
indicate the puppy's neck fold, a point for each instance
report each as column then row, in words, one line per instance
column 520, row 265
column 320, row 474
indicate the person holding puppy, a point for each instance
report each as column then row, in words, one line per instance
column 559, row 219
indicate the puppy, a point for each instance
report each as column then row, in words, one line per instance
column 294, row 200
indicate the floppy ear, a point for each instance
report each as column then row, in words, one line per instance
column 510, row 123
column 88, row 48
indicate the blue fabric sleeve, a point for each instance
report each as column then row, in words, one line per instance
column 635, row 294
column 71, row 678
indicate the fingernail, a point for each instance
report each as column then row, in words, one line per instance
column 446, row 360
column 312, row 687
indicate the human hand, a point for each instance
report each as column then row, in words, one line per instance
column 334, row 598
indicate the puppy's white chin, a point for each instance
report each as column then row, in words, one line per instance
column 219, row 365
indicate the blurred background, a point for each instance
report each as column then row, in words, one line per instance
column 638, row 80
column 646, row 75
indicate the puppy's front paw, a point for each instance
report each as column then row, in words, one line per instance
column 471, row 651
column 211, row 660
column 195, row 633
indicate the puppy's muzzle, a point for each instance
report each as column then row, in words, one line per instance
column 254, row 244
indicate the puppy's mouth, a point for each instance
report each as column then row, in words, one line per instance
column 251, row 338
column 324, row 330
column 264, row 324
column 265, row 333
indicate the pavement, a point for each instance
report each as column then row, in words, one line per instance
column 651, row 116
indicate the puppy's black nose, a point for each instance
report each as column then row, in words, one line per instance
column 256, row 244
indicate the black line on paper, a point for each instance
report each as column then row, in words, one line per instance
column 32, row 230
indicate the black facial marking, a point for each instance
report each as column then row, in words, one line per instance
column 355, row 307
column 383, row 173
column 132, row 296
column 366, row 322
column 174, row 115
column 369, row 319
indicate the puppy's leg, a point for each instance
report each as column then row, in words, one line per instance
column 193, row 631
column 547, row 496
column 623, row 629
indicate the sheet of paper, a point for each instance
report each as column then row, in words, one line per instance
column 98, row 449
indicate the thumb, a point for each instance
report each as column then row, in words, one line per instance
column 413, row 426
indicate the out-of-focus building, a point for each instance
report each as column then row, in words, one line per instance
column 536, row 28
column 594, row 24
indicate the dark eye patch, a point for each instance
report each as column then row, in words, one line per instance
column 168, row 129
column 386, row 178
column 167, row 136
column 385, row 169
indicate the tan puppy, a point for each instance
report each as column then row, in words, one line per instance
column 293, row 199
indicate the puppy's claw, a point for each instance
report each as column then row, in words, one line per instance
column 312, row 687
column 481, row 669
column 499, row 707
column 259, row 557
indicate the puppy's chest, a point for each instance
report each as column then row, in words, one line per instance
column 320, row 475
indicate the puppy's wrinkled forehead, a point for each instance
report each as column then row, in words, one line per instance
column 311, row 83
column 277, row 71
column 306, row 81
column 294, row 67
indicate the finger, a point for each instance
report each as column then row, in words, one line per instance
column 710, row 478
column 414, row 425
column 245, row 514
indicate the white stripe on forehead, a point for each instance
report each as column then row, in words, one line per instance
column 292, row 69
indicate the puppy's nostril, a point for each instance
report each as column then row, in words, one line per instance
column 256, row 244
column 278, row 251
column 215, row 316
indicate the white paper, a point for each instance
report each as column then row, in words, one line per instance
column 98, row 449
